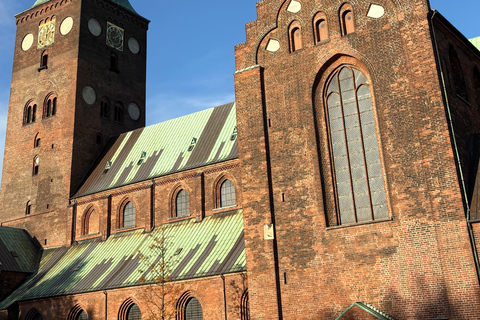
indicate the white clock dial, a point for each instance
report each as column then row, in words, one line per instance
column 66, row 26
column 133, row 45
column 89, row 95
column 94, row 27
column 134, row 111
column 27, row 42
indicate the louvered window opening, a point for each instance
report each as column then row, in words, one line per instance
column 227, row 194
column 359, row 184
column 134, row 313
column 82, row 316
column 129, row 215
column 182, row 204
column 193, row 311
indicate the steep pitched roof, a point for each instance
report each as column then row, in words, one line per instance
column 374, row 312
column 192, row 249
column 18, row 251
column 188, row 142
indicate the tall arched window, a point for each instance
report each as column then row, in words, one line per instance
column 358, row 177
column 295, row 36
column 36, row 165
column 50, row 105
column 30, row 112
column 193, row 310
column 105, row 108
column 91, row 222
column 320, row 27
column 28, row 208
column 227, row 194
column 182, row 204
column 44, row 60
column 134, row 313
column 118, row 112
column 457, row 73
column 113, row 62
column 128, row 215
column 347, row 20
column 77, row 313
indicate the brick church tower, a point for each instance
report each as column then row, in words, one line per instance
column 78, row 79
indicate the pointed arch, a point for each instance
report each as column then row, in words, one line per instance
column 351, row 147
column 33, row 314
column 129, row 310
column 77, row 313
column 295, row 36
column 347, row 19
column 90, row 221
column 188, row 307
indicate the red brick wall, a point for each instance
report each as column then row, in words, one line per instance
column 9, row 281
column 407, row 266
column 208, row 291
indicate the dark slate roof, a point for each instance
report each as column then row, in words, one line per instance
column 124, row 3
column 192, row 249
column 367, row 308
column 166, row 148
column 18, row 251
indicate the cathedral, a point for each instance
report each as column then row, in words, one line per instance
column 341, row 184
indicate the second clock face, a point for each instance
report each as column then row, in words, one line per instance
column 115, row 36
column 46, row 34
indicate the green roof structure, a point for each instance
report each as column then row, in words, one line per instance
column 192, row 249
column 192, row 141
column 18, row 251
column 476, row 42
column 368, row 309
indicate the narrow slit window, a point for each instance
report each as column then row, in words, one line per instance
column 44, row 60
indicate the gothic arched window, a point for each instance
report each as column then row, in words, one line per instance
column 118, row 112
column 457, row 73
column 134, row 313
column 104, row 108
column 227, row 194
column 82, row 315
column 30, row 112
column 128, row 215
column 358, row 177
column 50, row 106
column 193, row 310
column 182, row 204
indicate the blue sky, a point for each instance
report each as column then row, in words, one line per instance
column 193, row 72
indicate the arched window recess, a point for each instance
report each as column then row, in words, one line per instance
column 347, row 19
column 358, row 182
column 43, row 61
column 320, row 27
column 50, row 106
column 295, row 36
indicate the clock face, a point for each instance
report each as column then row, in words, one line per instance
column 115, row 36
column 46, row 34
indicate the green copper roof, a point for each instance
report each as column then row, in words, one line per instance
column 192, row 141
column 18, row 251
column 476, row 42
column 124, row 3
column 367, row 308
column 192, row 249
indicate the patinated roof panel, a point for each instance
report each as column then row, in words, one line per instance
column 192, row 141
column 18, row 252
column 192, row 249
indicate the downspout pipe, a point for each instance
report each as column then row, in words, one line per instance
column 224, row 296
column 454, row 143
column 106, row 304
